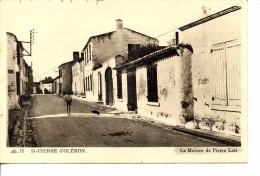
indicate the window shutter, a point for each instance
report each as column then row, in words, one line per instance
column 226, row 74
column 119, row 85
column 152, row 83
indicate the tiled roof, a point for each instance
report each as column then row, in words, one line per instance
column 70, row 62
column 152, row 57
column 210, row 17
column 48, row 80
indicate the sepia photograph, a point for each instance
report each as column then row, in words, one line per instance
column 109, row 81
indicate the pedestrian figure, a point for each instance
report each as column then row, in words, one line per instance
column 68, row 100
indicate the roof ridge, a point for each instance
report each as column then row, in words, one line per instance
column 210, row 17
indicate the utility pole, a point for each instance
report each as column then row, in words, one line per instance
column 29, row 53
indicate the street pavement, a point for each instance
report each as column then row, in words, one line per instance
column 86, row 129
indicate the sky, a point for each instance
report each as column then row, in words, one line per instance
column 64, row 27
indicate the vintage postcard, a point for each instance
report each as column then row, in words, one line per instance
column 109, row 81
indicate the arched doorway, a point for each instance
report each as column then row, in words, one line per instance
column 109, row 87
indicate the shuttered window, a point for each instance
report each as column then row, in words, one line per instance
column 226, row 74
column 85, row 58
column 90, row 82
column 152, row 87
column 90, row 54
column 86, row 83
column 119, row 85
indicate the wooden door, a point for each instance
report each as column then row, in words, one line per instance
column 131, row 90
column 109, row 87
column 99, row 87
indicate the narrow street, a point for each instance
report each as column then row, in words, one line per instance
column 85, row 129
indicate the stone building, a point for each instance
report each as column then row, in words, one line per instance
column 19, row 73
column 47, row 85
column 216, row 68
column 36, row 88
column 157, row 85
column 78, row 78
column 65, row 78
column 99, row 49
column 56, row 85
column 199, row 82
column 30, row 80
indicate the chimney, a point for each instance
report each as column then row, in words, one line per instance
column 75, row 56
column 82, row 55
column 119, row 24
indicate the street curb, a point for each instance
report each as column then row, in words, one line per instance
column 211, row 137
column 201, row 134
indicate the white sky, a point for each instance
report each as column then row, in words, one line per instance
column 64, row 27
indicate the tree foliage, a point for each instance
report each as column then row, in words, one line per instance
column 138, row 52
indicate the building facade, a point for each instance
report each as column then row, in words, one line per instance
column 199, row 82
column 36, row 88
column 65, row 78
column 216, row 68
column 78, row 78
column 19, row 73
column 56, row 85
column 158, row 86
column 101, row 48
column 47, row 85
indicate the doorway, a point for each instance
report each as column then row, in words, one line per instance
column 109, row 87
column 131, row 90
column 99, row 87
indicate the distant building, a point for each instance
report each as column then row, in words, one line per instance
column 65, row 78
column 56, row 85
column 36, row 88
column 46, row 85
column 78, row 79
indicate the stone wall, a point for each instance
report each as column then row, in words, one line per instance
column 67, row 78
column 202, row 38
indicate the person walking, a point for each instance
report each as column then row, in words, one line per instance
column 68, row 101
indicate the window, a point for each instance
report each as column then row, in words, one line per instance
column 226, row 73
column 18, row 51
column 133, row 46
column 18, row 83
column 85, row 57
column 90, row 83
column 87, row 54
column 152, row 83
column 90, row 53
column 86, row 83
column 82, row 55
column 60, row 72
column 119, row 85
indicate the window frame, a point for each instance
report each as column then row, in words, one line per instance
column 152, row 83
column 221, row 83
column 119, row 85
